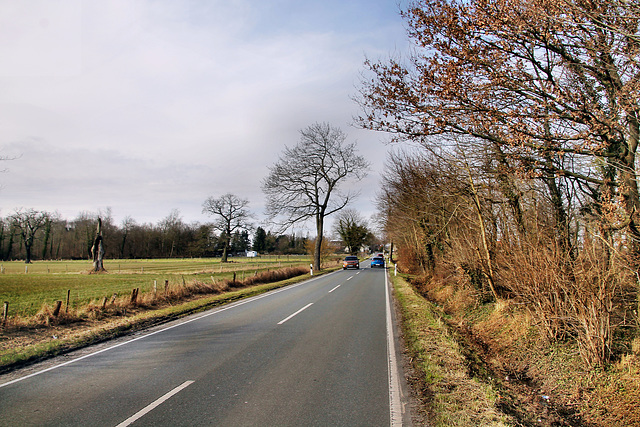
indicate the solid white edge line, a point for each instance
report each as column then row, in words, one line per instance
column 211, row 313
column 395, row 403
column 144, row 411
column 296, row 313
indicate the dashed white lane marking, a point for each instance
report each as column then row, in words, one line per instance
column 144, row 411
column 296, row 313
column 210, row 313
column 334, row 288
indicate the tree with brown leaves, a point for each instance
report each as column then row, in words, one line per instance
column 550, row 87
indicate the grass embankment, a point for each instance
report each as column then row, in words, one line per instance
column 485, row 364
column 452, row 397
column 26, row 339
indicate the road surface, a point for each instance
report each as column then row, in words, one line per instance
column 312, row 354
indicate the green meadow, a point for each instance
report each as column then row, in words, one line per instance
column 27, row 287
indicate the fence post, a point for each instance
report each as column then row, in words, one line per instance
column 134, row 296
column 104, row 302
column 56, row 310
column 68, row 298
column 113, row 298
column 5, row 313
column 166, row 287
column 155, row 288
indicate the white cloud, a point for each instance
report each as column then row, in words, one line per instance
column 40, row 38
column 175, row 101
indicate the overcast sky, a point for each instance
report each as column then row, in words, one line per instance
column 144, row 107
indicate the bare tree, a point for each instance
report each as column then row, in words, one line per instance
column 304, row 182
column 28, row 223
column 231, row 214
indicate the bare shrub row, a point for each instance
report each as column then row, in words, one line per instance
column 452, row 222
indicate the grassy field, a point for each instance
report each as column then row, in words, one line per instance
column 27, row 287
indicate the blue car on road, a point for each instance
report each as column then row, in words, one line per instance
column 377, row 262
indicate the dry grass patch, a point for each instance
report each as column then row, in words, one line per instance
column 539, row 381
column 454, row 398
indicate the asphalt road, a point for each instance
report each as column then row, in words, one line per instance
column 312, row 354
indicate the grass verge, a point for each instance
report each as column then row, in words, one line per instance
column 454, row 398
column 535, row 381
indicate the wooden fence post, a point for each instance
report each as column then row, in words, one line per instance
column 5, row 313
column 166, row 287
column 134, row 296
column 104, row 302
column 113, row 298
column 56, row 310
column 68, row 299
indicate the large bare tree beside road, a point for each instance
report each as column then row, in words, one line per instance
column 231, row 215
column 304, row 182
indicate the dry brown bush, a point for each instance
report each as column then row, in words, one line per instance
column 585, row 297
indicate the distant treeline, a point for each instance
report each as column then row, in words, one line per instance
column 57, row 238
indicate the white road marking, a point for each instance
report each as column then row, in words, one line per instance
column 210, row 313
column 296, row 313
column 144, row 411
column 395, row 403
column 334, row 288
column 351, row 277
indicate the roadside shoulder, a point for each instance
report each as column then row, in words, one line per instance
column 440, row 379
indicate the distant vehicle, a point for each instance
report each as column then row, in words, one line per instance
column 351, row 262
column 377, row 261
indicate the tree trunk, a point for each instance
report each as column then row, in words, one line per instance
column 487, row 267
column 318, row 248
column 559, row 215
column 97, row 250
column 630, row 186
column 27, row 249
column 224, row 252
